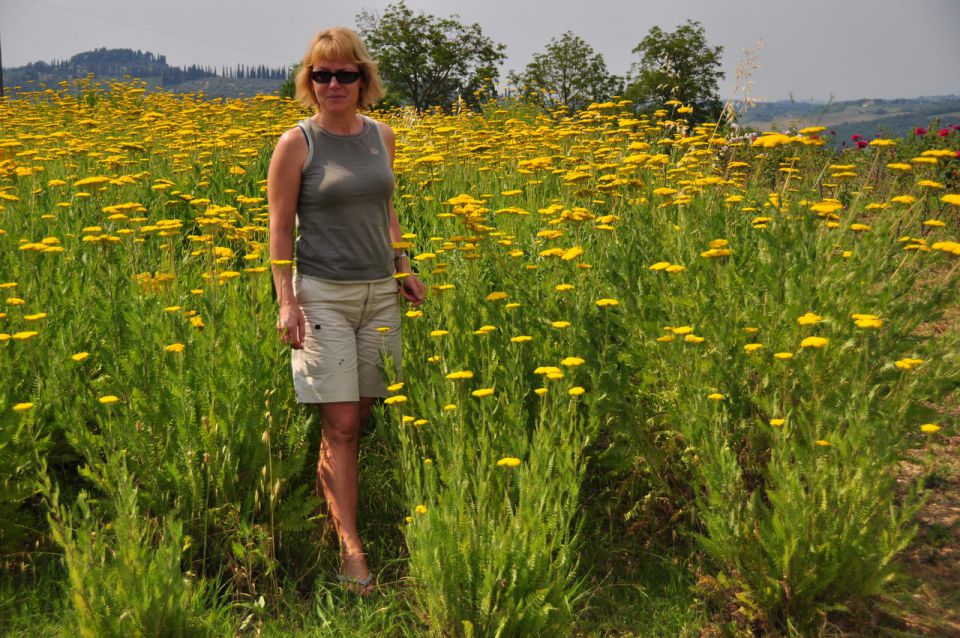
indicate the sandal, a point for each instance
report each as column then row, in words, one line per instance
column 354, row 584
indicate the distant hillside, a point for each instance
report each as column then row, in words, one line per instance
column 107, row 64
column 891, row 118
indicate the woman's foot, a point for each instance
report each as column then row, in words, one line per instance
column 354, row 575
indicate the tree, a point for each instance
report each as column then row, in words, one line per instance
column 678, row 66
column 429, row 61
column 568, row 73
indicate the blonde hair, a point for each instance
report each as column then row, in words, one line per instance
column 339, row 44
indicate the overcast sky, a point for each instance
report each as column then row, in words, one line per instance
column 813, row 49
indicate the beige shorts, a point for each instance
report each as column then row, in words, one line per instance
column 349, row 329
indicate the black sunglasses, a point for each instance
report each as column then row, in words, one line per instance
column 343, row 77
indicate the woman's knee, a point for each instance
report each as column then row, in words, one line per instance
column 341, row 422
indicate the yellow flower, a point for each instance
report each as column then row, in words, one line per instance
column 542, row 370
column 80, row 356
column 814, row 342
column 21, row 407
column 439, row 333
column 777, row 422
column 951, row 199
column 575, row 391
column 23, row 336
column 15, row 301
column 572, row 362
column 413, row 314
column 660, row 265
column 607, row 302
column 172, row 309
column 197, row 322
column 108, row 399
column 680, row 330
column 908, row 363
column 560, row 324
column 174, row 347
column 693, row 339
column 826, row 207
column 450, row 407
column 420, row 509
column 462, row 374
column 563, row 287
column 666, row 338
column 809, row 319
column 540, row 391
column 783, row 355
column 716, row 396
column 508, row 461
column 394, row 387
column 930, row 428
column 521, row 338
column 904, row 199
column 823, row 443
column 35, row 317
column 752, row 347
column 496, row 296
column 482, row 392
column 866, row 321
column 716, row 252
column 396, row 399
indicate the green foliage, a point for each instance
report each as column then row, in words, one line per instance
column 429, row 61
column 568, row 74
column 288, row 89
column 678, row 65
column 201, row 469
column 124, row 569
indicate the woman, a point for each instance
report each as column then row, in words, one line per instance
column 333, row 174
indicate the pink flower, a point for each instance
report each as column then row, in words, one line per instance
column 855, row 137
column 862, row 144
column 919, row 131
column 943, row 132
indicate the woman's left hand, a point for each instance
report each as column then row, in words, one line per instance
column 413, row 290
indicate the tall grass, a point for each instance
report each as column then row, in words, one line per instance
column 628, row 292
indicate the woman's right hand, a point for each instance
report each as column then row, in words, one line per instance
column 292, row 325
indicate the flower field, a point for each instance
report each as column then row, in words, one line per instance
column 728, row 345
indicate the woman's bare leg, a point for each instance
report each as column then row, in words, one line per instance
column 337, row 476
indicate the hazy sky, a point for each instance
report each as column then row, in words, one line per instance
column 813, row 49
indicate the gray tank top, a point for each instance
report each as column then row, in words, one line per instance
column 343, row 217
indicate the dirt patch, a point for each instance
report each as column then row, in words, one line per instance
column 929, row 602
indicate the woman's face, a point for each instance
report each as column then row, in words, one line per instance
column 335, row 97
